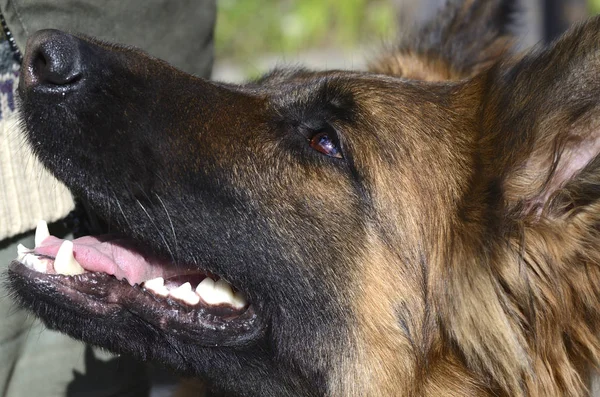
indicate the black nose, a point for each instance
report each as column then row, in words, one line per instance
column 52, row 61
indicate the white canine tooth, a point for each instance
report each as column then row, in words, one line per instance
column 215, row 293
column 65, row 262
column 185, row 293
column 21, row 252
column 39, row 265
column 23, row 260
column 33, row 262
column 157, row 285
column 28, row 260
column 206, row 290
column 239, row 300
column 224, row 291
column 41, row 233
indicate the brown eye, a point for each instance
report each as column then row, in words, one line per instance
column 325, row 143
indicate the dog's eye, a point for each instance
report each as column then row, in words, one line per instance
column 326, row 143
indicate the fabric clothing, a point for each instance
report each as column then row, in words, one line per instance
column 27, row 191
column 35, row 361
column 180, row 32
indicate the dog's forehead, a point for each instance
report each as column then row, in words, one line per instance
column 299, row 87
column 300, row 95
column 344, row 89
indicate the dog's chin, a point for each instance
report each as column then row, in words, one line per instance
column 107, row 300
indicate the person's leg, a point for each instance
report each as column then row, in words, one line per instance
column 15, row 322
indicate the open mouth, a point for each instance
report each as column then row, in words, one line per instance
column 104, row 274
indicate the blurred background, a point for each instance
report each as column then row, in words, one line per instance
column 253, row 36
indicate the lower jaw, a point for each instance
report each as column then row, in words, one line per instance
column 100, row 296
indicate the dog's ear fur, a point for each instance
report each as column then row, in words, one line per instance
column 464, row 38
column 524, row 276
column 542, row 126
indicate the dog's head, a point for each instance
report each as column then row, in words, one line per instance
column 427, row 228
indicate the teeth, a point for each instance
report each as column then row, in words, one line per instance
column 35, row 263
column 21, row 252
column 218, row 292
column 210, row 291
column 239, row 300
column 223, row 291
column 65, row 262
column 157, row 285
column 206, row 290
column 185, row 293
column 41, row 233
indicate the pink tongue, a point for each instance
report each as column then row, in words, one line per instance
column 112, row 256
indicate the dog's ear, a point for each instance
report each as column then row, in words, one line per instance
column 465, row 37
column 541, row 123
column 524, row 281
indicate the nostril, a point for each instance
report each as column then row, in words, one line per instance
column 39, row 63
column 55, row 68
column 52, row 59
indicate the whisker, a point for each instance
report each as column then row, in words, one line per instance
column 171, row 223
column 123, row 213
column 157, row 229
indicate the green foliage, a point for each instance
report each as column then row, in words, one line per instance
column 594, row 6
column 246, row 28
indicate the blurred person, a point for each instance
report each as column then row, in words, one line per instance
column 35, row 361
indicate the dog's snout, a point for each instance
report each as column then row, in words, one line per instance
column 53, row 61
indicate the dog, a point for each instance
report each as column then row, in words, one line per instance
column 429, row 227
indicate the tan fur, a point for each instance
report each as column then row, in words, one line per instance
column 415, row 67
column 521, row 317
column 480, row 271
column 445, row 245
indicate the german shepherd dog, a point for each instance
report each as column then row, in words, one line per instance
column 430, row 227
